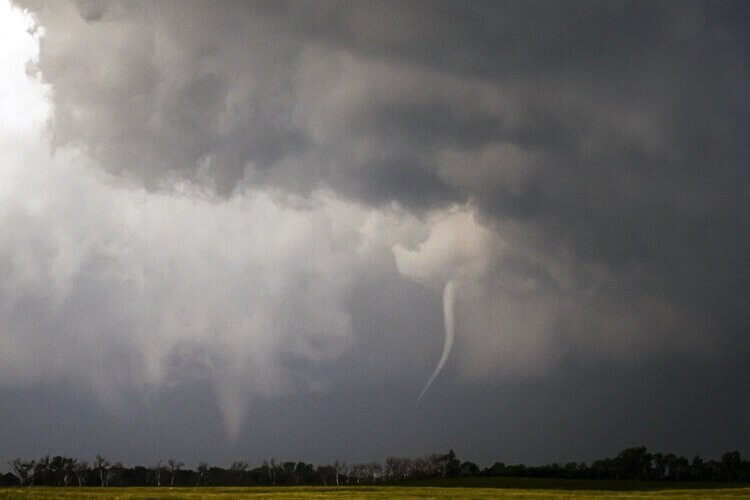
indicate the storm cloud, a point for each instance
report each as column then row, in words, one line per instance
column 268, row 198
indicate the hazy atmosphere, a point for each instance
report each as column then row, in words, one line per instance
column 346, row 230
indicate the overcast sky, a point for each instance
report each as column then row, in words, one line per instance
column 226, row 229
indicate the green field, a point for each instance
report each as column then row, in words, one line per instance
column 364, row 492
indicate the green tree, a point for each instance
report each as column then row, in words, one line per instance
column 633, row 463
column 733, row 468
column 469, row 469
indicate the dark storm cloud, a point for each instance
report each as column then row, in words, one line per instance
column 597, row 151
column 619, row 92
column 612, row 135
column 187, row 90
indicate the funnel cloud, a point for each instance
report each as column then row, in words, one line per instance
column 449, row 320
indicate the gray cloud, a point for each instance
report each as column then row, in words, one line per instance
column 578, row 166
column 115, row 289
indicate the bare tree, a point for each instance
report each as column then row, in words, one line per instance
column 156, row 470
column 237, row 468
column 437, row 465
column 399, row 468
column 358, row 472
column 270, row 468
column 375, row 471
column 174, row 466
column 81, row 472
column 21, row 469
column 106, row 470
column 421, row 467
column 339, row 470
column 202, row 471
column 326, row 473
column 64, row 470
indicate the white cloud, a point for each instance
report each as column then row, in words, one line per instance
column 458, row 248
column 103, row 282
column 22, row 106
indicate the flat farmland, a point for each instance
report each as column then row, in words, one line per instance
column 356, row 492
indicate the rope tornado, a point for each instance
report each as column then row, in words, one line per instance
column 449, row 301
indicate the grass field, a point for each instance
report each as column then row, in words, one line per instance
column 567, row 484
column 364, row 492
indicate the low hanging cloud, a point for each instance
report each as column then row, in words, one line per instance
column 521, row 310
column 224, row 175
column 119, row 289
column 457, row 248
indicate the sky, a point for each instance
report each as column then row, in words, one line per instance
column 255, row 230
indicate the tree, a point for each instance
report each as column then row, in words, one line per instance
column 269, row 467
column 21, row 469
column 659, row 467
column 81, row 472
column 358, row 473
column 394, row 468
column 62, row 470
column 733, row 467
column 327, row 473
column 633, row 463
column 422, row 467
column 574, row 470
column 374, row 471
column 202, row 471
column 469, row 469
column 339, row 470
column 603, row 469
column 174, row 466
column 288, row 474
column 697, row 469
column 156, row 471
column 42, row 471
column 105, row 470
column 449, row 465
column 496, row 469
column 305, row 473
column 237, row 470
column 9, row 479
column 677, row 468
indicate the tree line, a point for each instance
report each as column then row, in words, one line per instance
column 630, row 464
